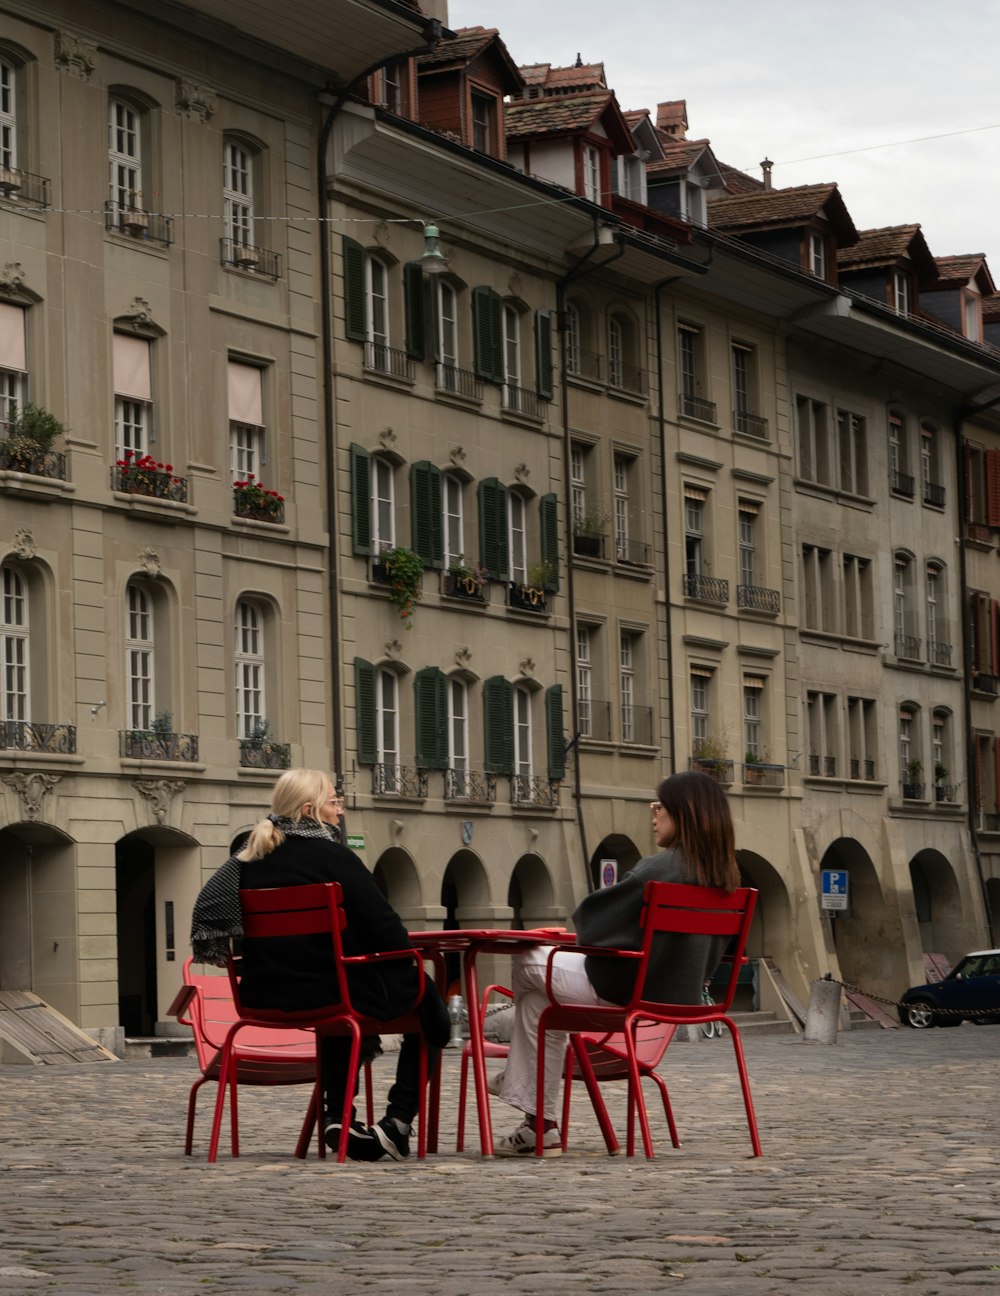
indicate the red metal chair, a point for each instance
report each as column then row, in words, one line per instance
column 669, row 907
column 315, row 909
column 264, row 1056
column 594, row 1059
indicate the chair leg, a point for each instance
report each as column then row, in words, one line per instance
column 369, row 1098
column 226, row 1065
column 463, row 1086
column 667, row 1109
column 595, row 1095
column 351, row 1080
column 635, row 1096
column 745, row 1085
column 540, row 1092
column 434, row 1111
column 567, row 1090
column 192, row 1099
column 422, row 1102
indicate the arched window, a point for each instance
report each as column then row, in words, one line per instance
column 139, row 659
column 251, row 712
column 9, row 105
column 387, row 729
column 383, row 504
column 523, row 762
column 907, row 642
column 131, row 174
column 911, row 765
column 14, row 646
column 237, row 195
column 938, row 638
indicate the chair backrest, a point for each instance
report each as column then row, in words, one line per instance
column 310, row 910
column 679, row 908
column 211, row 1012
column 608, row 1054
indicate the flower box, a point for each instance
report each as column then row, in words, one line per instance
column 143, row 475
column 252, row 500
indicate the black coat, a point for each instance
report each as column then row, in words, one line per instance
column 298, row 971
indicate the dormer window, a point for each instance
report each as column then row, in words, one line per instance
column 591, row 173
column 972, row 318
column 901, row 292
column 483, row 117
column 817, row 255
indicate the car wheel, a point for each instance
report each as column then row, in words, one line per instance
column 919, row 1014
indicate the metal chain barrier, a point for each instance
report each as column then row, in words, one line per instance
column 896, row 1003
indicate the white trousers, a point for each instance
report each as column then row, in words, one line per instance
column 570, row 985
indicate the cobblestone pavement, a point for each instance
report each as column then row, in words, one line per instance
column 879, row 1175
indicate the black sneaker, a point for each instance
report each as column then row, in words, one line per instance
column 394, row 1141
column 362, row 1144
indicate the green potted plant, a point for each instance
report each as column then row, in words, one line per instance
column 252, row 499
column 590, row 526
column 911, row 787
column 752, row 763
column 940, row 774
column 708, row 756
column 402, row 571
column 27, row 447
column 467, row 579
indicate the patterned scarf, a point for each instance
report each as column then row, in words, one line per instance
column 217, row 917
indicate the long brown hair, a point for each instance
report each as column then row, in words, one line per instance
column 704, row 825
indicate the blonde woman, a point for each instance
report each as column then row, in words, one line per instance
column 299, row 843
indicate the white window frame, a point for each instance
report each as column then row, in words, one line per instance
column 132, row 426
column 523, row 736
column 15, row 644
column 584, row 680
column 453, row 504
column 12, row 383
column 512, row 345
column 616, row 352
column 377, row 312
column 753, row 720
column 591, row 173
column 517, row 536
column 743, row 375
column 387, row 728
column 250, row 668
column 748, row 545
column 458, row 733
column 817, row 255
column 8, row 114
column 578, row 482
column 901, row 292
column 483, row 119
column 622, row 504
column 124, row 156
column 140, row 658
column 694, row 536
column 237, row 193
column 383, row 505
column 447, row 324
column 626, row 696
column 700, row 700
column 246, row 451
column 573, row 336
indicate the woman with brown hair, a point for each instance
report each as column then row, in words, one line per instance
column 693, row 828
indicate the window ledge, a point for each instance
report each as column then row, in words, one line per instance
column 262, row 528
column 460, row 399
column 630, row 571
column 148, row 504
column 588, row 384
column 382, row 379
column 629, row 397
column 11, row 758
column 825, row 491
column 984, row 546
column 189, row 767
column 525, row 420
column 150, row 246
column 642, row 750
column 689, row 420
column 33, row 485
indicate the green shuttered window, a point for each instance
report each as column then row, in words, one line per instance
column 498, row 725
column 430, row 695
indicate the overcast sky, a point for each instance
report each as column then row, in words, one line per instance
column 805, row 80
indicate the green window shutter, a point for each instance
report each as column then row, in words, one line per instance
column 413, row 299
column 427, row 523
column 487, row 332
column 543, row 354
column 556, row 741
column 549, row 529
column 361, row 497
column 494, row 546
column 364, row 708
column 430, row 695
column 498, row 725
column 432, row 317
column 355, row 296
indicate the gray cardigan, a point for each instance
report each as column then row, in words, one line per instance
column 679, row 964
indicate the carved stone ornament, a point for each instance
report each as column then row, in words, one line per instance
column 522, row 472
column 12, row 278
column 159, row 793
column 32, row 789
column 24, row 543
column 195, row 102
column 76, row 56
column 387, row 438
column 140, row 311
column 149, row 561
column 515, row 285
column 381, row 234
column 527, row 666
column 393, row 648
column 463, row 655
column 457, row 455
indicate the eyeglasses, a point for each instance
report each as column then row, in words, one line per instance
column 657, row 807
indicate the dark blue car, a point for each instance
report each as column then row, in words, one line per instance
column 969, row 992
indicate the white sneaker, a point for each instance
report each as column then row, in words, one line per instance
column 522, row 1143
column 494, row 1082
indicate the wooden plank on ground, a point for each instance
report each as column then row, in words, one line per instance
column 36, row 1028
column 871, row 1009
column 794, row 1003
column 936, row 967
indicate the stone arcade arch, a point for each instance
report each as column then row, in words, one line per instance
column 618, row 847
column 153, row 871
column 771, row 929
column 38, row 926
column 530, row 894
column 869, row 937
column 938, row 905
column 396, row 876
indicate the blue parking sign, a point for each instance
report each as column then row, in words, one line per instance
column 835, row 886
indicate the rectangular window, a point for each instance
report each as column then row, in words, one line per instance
column 383, row 505
column 249, row 670
column 578, row 484
column 859, row 608
column 246, row 421
column 387, row 728
column 133, row 395
column 139, row 659
column 458, row 727
column 447, row 325
column 522, row 734
column 516, row 511
column 821, row 716
column 819, row 612
column 861, row 735
column 584, row 681
column 699, row 679
column 626, row 664
column 124, row 157
column 753, row 694
column 812, row 426
column 14, row 642
column 591, row 174
column 748, row 542
column 746, row 403
column 901, row 292
column 817, row 255
column 694, row 531
column 483, row 113
column 377, row 290
column 691, row 382
column 971, row 315
column 512, row 346
column 454, row 524
column 237, row 194
column 623, row 466
column 13, row 361
column 8, row 116
column 852, row 438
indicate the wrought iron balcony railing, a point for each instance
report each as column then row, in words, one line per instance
column 983, row 682
column 590, row 544
column 908, row 647
column 913, row 791
column 758, row 774
column 696, row 408
column 143, row 226
column 264, row 755
column 714, row 766
column 18, row 454
column 408, row 781
column 584, row 364
column 634, row 553
column 470, row 785
column 627, row 378
column 751, row 425
column 527, row 598
column 27, row 736
column 465, row 585
column 462, row 382
column 523, row 401
column 934, row 494
column 530, row 790
column 901, row 483
column 707, row 589
column 593, row 718
column 24, row 187
column 388, row 360
column 939, row 654
column 637, row 725
column 247, row 256
column 145, row 744
column 862, row 770
column 822, row 766
column 136, row 479
column 757, row 599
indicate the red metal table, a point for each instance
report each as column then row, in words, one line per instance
column 470, row 943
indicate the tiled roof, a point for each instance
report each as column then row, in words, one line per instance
column 782, row 208
column 739, row 182
column 554, row 116
column 678, row 155
column 672, row 113
column 886, row 246
column 468, row 42
column 586, row 74
column 535, row 73
column 959, row 269
column 991, row 309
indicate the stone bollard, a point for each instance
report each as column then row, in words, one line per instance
column 823, row 1013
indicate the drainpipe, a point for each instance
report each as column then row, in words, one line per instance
column 582, row 267
column 433, row 32
column 970, row 743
